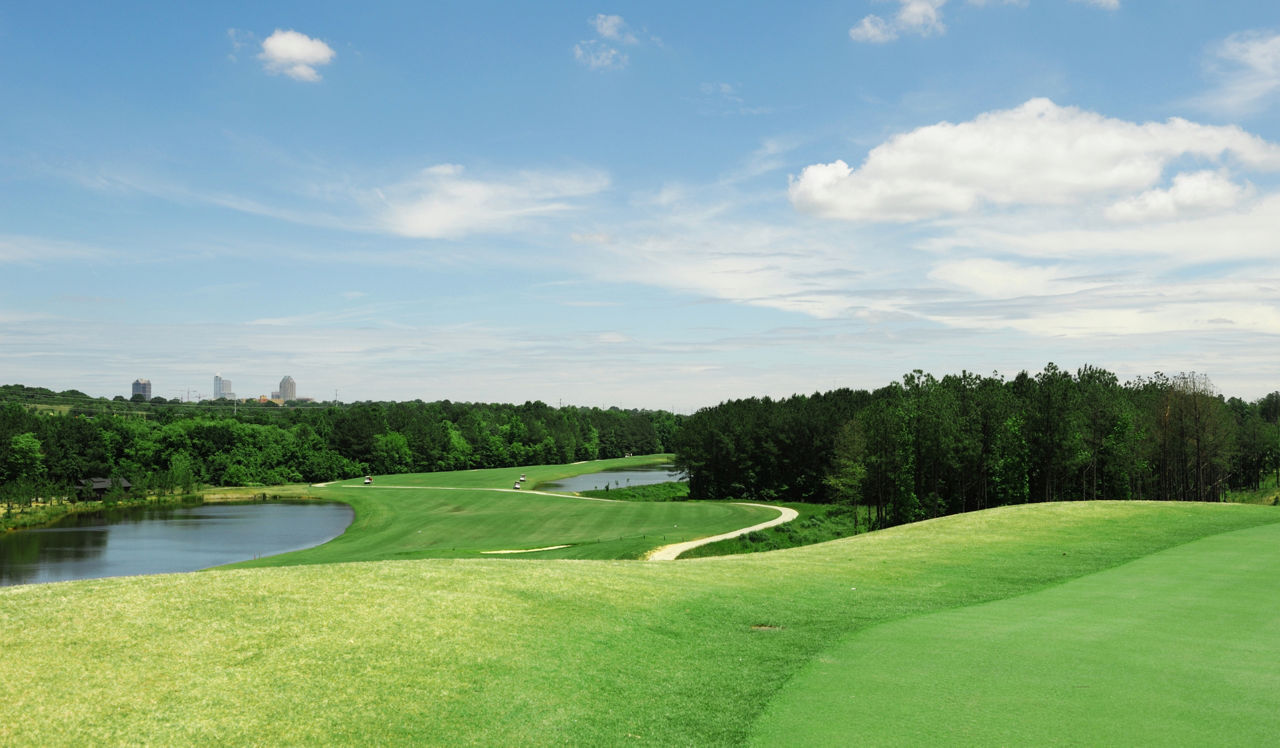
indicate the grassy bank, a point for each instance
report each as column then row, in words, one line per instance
column 493, row 652
column 672, row 491
column 47, row 514
column 1268, row 493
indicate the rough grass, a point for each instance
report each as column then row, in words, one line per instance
column 500, row 653
column 1268, row 493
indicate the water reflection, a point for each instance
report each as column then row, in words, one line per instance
column 614, row 479
column 153, row 541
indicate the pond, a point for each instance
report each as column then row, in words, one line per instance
column 623, row 478
column 162, row 540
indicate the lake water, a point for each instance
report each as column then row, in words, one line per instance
column 614, row 479
column 161, row 540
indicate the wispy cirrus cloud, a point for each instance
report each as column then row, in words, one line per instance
column 1247, row 68
column 442, row 201
column 612, row 35
column 36, row 250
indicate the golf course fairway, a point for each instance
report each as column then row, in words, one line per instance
column 496, row 652
column 475, row 513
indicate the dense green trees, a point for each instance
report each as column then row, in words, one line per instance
column 48, row 437
column 924, row 447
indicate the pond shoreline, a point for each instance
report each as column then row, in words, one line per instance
column 49, row 515
column 167, row 537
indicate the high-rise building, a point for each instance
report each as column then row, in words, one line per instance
column 222, row 388
column 142, row 387
column 288, row 390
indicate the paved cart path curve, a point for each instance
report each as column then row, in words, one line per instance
column 673, row 551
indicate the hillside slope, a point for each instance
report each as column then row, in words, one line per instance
column 537, row 652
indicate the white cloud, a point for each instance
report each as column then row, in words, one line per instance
column 1036, row 154
column 923, row 17
column 873, row 29
column 295, row 55
column 239, row 40
column 613, row 27
column 1195, row 192
column 442, row 202
column 599, row 56
column 1138, row 313
column 1002, row 280
column 1248, row 65
column 1249, row 234
column 600, row 53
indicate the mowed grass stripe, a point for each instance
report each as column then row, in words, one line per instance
column 1176, row 648
column 519, row 653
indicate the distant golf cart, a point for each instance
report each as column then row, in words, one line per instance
column 368, row 480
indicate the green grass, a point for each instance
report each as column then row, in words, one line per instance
column 1178, row 648
column 817, row 523
column 583, row 652
column 670, row 491
column 1268, row 493
column 461, row 515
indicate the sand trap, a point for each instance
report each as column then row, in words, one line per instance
column 531, row 550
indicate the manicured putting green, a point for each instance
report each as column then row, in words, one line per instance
column 1181, row 647
column 470, row 513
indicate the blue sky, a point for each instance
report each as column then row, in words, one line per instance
column 637, row 204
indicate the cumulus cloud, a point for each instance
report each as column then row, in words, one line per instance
column 922, row 17
column 1105, row 4
column 443, row 202
column 1248, row 66
column 1191, row 193
column 1036, row 154
column 295, row 54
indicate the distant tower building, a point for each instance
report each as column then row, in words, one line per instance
column 288, row 390
column 142, row 387
column 222, row 388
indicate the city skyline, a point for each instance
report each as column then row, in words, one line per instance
column 659, row 205
column 222, row 388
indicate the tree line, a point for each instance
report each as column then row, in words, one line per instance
column 51, row 441
column 925, row 447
